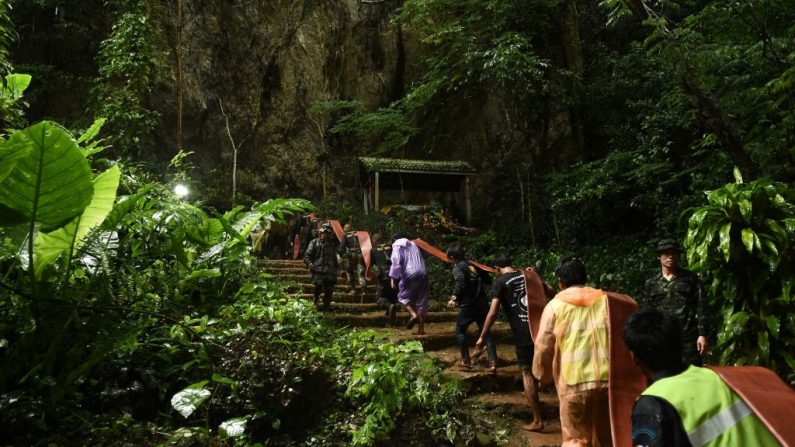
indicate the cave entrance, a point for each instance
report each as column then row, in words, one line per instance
column 414, row 180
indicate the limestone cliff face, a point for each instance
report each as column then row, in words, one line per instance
column 266, row 62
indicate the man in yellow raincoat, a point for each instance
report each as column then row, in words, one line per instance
column 572, row 349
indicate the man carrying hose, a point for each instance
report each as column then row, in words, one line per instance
column 321, row 258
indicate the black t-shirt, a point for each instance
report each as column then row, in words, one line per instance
column 510, row 289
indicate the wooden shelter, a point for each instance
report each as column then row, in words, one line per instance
column 378, row 174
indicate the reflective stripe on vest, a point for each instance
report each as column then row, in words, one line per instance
column 581, row 333
column 712, row 414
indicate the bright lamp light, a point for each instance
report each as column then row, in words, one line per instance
column 181, row 190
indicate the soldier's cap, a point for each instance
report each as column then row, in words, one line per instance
column 325, row 228
column 668, row 245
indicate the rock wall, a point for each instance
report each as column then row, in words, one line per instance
column 266, row 62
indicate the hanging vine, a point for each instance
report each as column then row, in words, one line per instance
column 129, row 61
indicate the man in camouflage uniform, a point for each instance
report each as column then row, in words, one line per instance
column 679, row 292
column 352, row 261
column 321, row 258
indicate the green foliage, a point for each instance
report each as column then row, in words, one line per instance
column 13, row 86
column 386, row 376
column 143, row 257
column 89, row 138
column 48, row 246
column 475, row 49
column 7, row 36
column 384, row 130
column 129, row 61
column 192, row 310
column 743, row 242
column 11, row 152
column 53, row 183
column 479, row 46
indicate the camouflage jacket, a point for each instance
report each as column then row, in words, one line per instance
column 349, row 245
column 322, row 254
column 681, row 296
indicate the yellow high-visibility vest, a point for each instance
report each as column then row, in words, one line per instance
column 712, row 414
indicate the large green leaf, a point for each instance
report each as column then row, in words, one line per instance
column 206, row 233
column 10, row 154
column 188, row 400
column 233, row 427
column 15, row 84
column 52, row 185
column 48, row 246
column 725, row 240
column 748, row 236
column 244, row 225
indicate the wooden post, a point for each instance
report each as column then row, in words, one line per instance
column 323, row 167
column 469, row 202
column 364, row 197
column 376, row 207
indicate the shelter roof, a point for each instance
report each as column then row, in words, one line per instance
column 401, row 165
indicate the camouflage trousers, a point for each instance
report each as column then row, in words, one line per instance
column 354, row 272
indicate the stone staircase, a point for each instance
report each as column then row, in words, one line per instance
column 499, row 395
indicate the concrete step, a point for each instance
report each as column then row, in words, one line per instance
column 440, row 336
column 339, row 296
column 348, row 307
column 378, row 319
column 280, row 262
column 339, row 288
column 292, row 270
column 306, row 277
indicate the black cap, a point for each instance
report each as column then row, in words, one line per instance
column 668, row 245
column 325, row 228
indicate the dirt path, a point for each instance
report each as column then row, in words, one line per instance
column 498, row 395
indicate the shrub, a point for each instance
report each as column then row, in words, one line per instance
column 743, row 242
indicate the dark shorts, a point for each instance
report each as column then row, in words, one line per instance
column 524, row 355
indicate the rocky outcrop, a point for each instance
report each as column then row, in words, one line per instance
column 267, row 63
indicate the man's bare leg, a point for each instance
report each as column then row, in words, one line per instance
column 412, row 311
column 531, row 394
column 421, row 326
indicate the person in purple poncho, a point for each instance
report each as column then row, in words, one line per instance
column 408, row 273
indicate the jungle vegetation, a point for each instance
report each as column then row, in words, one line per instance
column 130, row 314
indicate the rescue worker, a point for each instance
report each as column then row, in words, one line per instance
column 510, row 291
column 314, row 227
column 385, row 294
column 685, row 405
column 468, row 296
column 300, row 234
column 572, row 348
column 410, row 278
column 679, row 292
column 352, row 261
column 321, row 258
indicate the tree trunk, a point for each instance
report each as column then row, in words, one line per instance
column 572, row 49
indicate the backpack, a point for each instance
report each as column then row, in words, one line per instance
column 353, row 247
